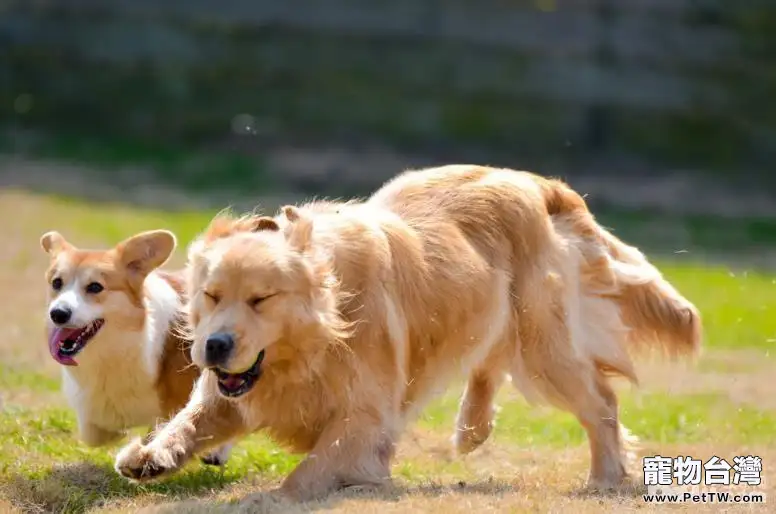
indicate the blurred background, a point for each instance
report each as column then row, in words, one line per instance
column 661, row 111
column 118, row 116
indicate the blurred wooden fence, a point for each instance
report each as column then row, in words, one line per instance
column 679, row 82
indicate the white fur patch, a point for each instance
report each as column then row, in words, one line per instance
column 73, row 298
column 106, row 389
column 492, row 328
column 397, row 333
column 161, row 303
column 114, row 385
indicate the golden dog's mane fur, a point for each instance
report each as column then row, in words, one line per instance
column 458, row 269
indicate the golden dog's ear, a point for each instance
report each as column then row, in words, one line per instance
column 53, row 243
column 225, row 225
column 299, row 230
column 291, row 213
column 144, row 252
column 265, row 223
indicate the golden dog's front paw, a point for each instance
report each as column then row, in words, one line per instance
column 146, row 462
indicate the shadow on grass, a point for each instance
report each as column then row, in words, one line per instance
column 81, row 487
column 628, row 489
column 271, row 502
column 76, row 488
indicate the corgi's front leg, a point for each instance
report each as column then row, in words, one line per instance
column 94, row 436
column 219, row 456
column 89, row 433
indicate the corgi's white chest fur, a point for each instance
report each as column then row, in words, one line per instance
column 114, row 385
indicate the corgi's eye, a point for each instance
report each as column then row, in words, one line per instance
column 56, row 284
column 94, row 288
column 213, row 297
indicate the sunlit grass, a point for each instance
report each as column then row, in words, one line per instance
column 654, row 416
column 44, row 467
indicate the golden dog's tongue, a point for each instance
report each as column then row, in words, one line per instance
column 233, row 382
column 57, row 336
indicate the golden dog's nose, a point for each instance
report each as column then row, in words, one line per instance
column 218, row 348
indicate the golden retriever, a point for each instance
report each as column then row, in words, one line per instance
column 332, row 325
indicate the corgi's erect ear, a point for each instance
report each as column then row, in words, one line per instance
column 53, row 243
column 146, row 251
column 299, row 229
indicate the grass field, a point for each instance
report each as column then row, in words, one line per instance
column 537, row 460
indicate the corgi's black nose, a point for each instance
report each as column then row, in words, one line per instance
column 218, row 348
column 60, row 316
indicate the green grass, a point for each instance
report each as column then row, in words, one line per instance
column 119, row 221
column 42, row 464
column 656, row 417
column 42, row 461
column 14, row 378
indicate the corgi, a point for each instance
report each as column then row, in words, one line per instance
column 113, row 326
column 332, row 326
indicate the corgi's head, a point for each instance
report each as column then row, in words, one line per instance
column 88, row 289
column 260, row 296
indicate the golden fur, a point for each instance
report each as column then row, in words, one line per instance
column 370, row 309
column 137, row 369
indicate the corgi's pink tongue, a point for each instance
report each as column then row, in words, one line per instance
column 57, row 336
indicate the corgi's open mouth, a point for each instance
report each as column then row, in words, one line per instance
column 65, row 343
column 237, row 384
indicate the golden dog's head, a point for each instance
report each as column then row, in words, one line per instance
column 262, row 298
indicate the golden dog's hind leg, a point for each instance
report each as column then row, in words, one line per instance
column 610, row 470
column 570, row 380
column 475, row 420
column 205, row 422
column 572, row 386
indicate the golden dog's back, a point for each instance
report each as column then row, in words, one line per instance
column 472, row 221
column 495, row 208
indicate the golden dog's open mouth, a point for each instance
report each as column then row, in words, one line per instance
column 237, row 384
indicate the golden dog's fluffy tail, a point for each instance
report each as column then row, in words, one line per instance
column 655, row 314
column 616, row 304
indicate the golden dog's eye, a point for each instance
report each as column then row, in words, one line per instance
column 256, row 300
column 213, row 297
column 56, row 284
